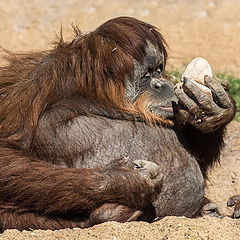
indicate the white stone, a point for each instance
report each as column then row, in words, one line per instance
column 196, row 70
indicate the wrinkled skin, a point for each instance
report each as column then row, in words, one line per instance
column 149, row 77
column 202, row 111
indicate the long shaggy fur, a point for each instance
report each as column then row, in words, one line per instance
column 94, row 66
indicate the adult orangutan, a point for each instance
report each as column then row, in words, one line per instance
column 85, row 126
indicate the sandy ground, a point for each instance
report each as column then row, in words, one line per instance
column 170, row 228
column 210, row 29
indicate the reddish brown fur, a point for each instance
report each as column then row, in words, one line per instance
column 35, row 194
column 31, row 82
column 142, row 104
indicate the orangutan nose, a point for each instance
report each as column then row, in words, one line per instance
column 157, row 84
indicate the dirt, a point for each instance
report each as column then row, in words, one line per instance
column 210, row 29
column 170, row 228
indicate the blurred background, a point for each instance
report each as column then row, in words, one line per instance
column 207, row 28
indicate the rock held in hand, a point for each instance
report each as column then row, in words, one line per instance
column 196, row 70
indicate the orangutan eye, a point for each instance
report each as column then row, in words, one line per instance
column 159, row 68
column 147, row 74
